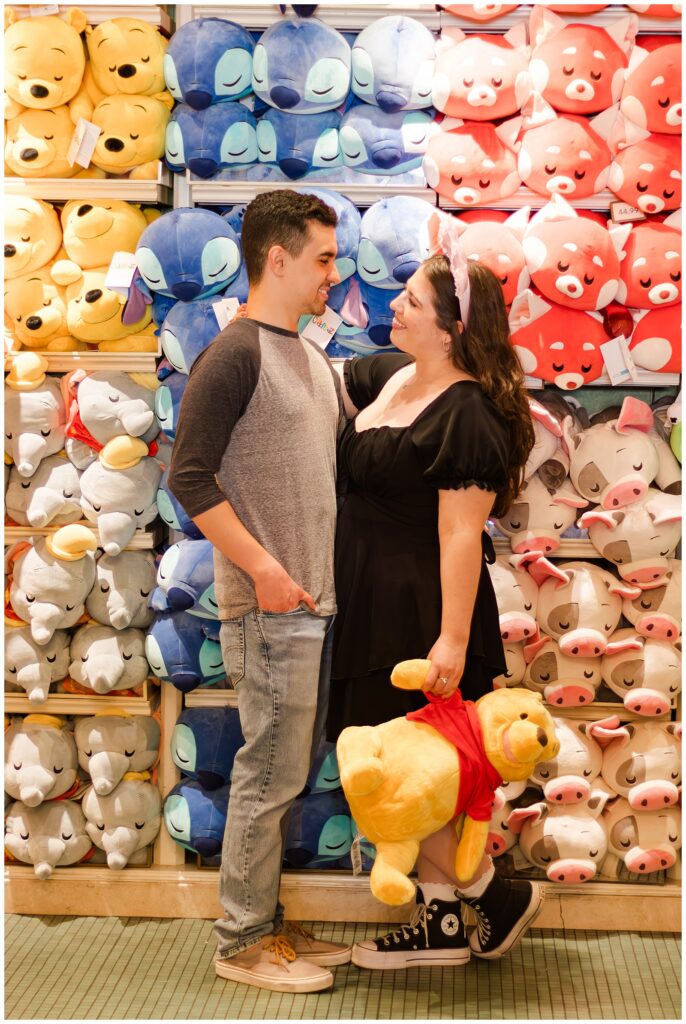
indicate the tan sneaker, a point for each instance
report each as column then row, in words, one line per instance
column 272, row 964
column 316, row 951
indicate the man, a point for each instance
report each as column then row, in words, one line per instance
column 254, row 466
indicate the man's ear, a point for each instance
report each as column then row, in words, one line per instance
column 276, row 260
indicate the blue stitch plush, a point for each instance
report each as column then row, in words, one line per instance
column 393, row 64
column 319, row 831
column 188, row 328
column 172, row 513
column 205, row 742
column 168, row 403
column 209, row 60
column 185, row 580
column 186, row 254
column 347, row 229
column 302, row 65
column 394, row 241
column 204, row 141
column 377, row 302
column 299, row 143
column 196, row 818
column 234, row 216
column 376, row 142
column 324, row 776
column 184, row 650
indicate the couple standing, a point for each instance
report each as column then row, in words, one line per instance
column 430, row 442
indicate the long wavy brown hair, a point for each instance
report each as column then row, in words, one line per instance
column 483, row 350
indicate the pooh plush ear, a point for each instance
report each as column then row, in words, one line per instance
column 77, row 19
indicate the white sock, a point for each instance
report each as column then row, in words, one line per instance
column 479, row 887
column 438, row 891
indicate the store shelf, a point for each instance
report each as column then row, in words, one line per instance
column 64, row 362
column 211, row 697
column 158, row 190
column 570, row 547
column 142, row 540
column 345, row 17
column 210, row 191
column 82, row 704
column 602, row 19
column 525, row 197
column 96, row 13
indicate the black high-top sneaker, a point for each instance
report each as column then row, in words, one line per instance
column 503, row 913
column 434, row 937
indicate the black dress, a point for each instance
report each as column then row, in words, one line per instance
column 387, row 563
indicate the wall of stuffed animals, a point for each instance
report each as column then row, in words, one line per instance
column 552, row 133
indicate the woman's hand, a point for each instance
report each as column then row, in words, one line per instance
column 447, row 665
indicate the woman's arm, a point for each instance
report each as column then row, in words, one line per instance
column 462, row 514
column 349, row 408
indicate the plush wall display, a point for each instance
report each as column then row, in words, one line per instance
column 50, row 497
column 566, row 154
column 50, row 836
column 36, row 313
column 32, row 235
column 568, row 842
column 579, row 69
column 184, row 649
column 319, row 831
column 481, row 77
column 393, row 241
column 94, row 229
column 516, row 593
column 301, row 65
column 134, row 803
column 185, row 580
column 105, row 659
column 540, row 515
column 573, row 260
column 479, row 11
column 376, row 142
column 118, row 491
column 34, row 413
column 651, row 264
column 516, row 666
column 187, row 254
column 40, row 759
column 125, row 56
column 548, row 457
column 204, row 744
column 559, row 344
column 209, row 60
column 94, row 316
column 651, row 97
column 638, row 537
column 123, row 585
column 299, row 143
column 641, row 761
column 173, row 513
column 388, row 771
column 111, row 744
column 132, row 133
column 223, row 135
column 188, row 328
column 563, row 680
column 569, row 777
column 648, row 680
column 168, row 403
column 656, row 612
column 196, row 817
column 36, row 145
column 44, row 61
column 472, row 162
column 647, row 173
column 654, row 341
column 108, row 404
column 500, row 837
column 393, row 62
column 645, row 842
column 498, row 244
column 33, row 668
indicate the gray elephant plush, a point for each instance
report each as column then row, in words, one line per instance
column 110, row 745
column 33, row 668
column 50, row 836
column 35, row 413
column 51, row 580
column 126, row 820
column 111, row 404
column 123, row 584
column 106, row 659
column 119, row 491
column 40, row 759
column 52, row 496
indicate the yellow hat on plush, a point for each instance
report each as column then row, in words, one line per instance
column 125, row 56
column 32, row 234
column 132, row 137
column 44, row 59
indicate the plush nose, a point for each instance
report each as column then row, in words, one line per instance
column 179, row 599
column 34, row 323
column 186, row 290
column 204, row 167
column 645, row 861
column 198, row 99
column 625, row 493
column 93, row 295
column 647, row 702
column 39, row 92
column 114, row 145
column 284, row 97
column 387, row 158
column 571, row 871
column 83, row 210
column 126, row 71
column 206, row 846
column 404, row 272
column 10, row 251
column 27, row 155
column 390, row 101
column 185, row 681
column 293, row 167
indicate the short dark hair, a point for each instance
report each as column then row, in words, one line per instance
column 279, row 217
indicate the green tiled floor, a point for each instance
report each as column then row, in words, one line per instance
column 132, row 968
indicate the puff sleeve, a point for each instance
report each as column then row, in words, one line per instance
column 462, row 441
column 365, row 376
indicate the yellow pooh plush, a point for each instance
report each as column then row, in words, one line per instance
column 36, row 145
column 94, row 316
column 132, row 133
column 125, row 56
column 407, row 778
column 36, row 313
column 94, row 229
column 44, row 63
column 32, row 234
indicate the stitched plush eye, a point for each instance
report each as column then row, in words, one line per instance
column 9, row 436
column 563, row 267
column 113, row 398
column 26, row 484
column 496, row 82
column 129, row 753
column 84, row 657
column 667, row 194
column 567, row 71
column 101, row 828
column 67, row 494
column 484, row 184
column 550, row 170
column 139, row 827
column 455, row 181
column 640, row 187
column 97, row 508
column 558, row 367
column 58, row 771
column 563, row 625
column 114, row 68
column 88, row 753
column 664, row 103
column 638, row 467
column 586, row 369
column 588, row 674
column 67, row 836
column 28, row 237
column 514, row 526
column 138, row 511
column 22, row 78
column 587, row 772
column 528, row 607
column 628, row 682
column 48, row 138
column 58, row 78
column 30, row 600
column 545, row 677
column 672, row 838
column 144, row 593
column 630, row 779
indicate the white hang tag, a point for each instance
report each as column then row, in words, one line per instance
column 618, row 362
column 83, row 143
column 120, row 273
column 321, row 329
column 356, row 854
column 625, row 213
column 225, row 311
column 42, row 10
column 519, row 861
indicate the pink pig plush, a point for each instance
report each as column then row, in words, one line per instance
column 573, row 260
column 568, row 778
column 655, row 342
column 472, row 163
column 499, row 246
column 651, row 264
column 657, row 612
column 651, row 97
column 641, row 761
column 646, row 841
column 579, row 69
column 481, row 77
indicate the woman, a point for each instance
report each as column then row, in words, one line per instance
column 438, row 440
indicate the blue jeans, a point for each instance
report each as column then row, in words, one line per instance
column 280, row 665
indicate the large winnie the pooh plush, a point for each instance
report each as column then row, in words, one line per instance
column 407, row 778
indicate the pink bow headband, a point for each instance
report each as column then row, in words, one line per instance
column 444, row 238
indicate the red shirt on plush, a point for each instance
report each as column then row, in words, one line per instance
column 458, row 721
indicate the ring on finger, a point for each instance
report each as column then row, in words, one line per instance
column 444, row 679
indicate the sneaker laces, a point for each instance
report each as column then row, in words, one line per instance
column 417, row 920
column 483, row 925
column 297, row 929
column 282, row 950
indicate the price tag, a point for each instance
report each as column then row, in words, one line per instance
column 625, row 213
column 83, row 143
column 321, row 329
column 618, row 362
column 225, row 311
column 41, row 10
column 120, row 273
column 356, row 854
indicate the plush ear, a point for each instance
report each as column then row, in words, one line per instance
column 597, row 516
column 638, row 55
column 449, row 39
column 541, row 569
column 623, row 32
column 516, row 36
column 533, row 648
column 662, row 511
column 597, row 800
column 674, row 729
column 544, row 24
column 508, row 132
column 77, row 19
column 534, row 813
column 518, row 222
column 537, row 111
column 10, row 16
column 603, row 123
column 140, row 296
column 448, row 123
column 166, row 98
column 625, row 133
column 609, row 730
column 569, row 498
column 634, row 415
column 623, row 589
column 541, row 415
column 526, row 307
column 622, row 646
column 674, row 220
